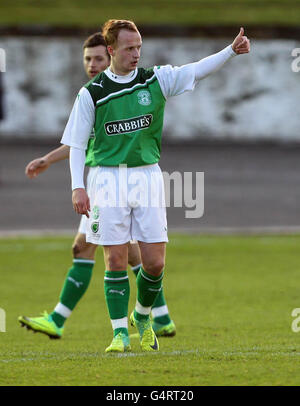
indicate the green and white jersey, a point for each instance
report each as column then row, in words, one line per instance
column 89, row 151
column 127, row 115
column 127, row 112
column 128, row 119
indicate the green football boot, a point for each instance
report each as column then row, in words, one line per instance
column 43, row 324
column 120, row 343
column 148, row 338
column 164, row 330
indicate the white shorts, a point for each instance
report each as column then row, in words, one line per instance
column 83, row 221
column 127, row 204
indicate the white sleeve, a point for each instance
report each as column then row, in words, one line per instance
column 176, row 80
column 81, row 121
column 77, row 162
column 213, row 63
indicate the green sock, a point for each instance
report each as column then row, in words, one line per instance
column 160, row 311
column 160, row 305
column 136, row 269
column 117, row 291
column 148, row 286
column 76, row 283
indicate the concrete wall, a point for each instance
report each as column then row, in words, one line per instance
column 253, row 96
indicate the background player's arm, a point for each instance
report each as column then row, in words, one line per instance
column 39, row 165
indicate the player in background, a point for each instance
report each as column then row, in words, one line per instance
column 95, row 59
column 125, row 106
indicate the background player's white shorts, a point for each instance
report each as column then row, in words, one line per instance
column 82, row 225
column 127, row 204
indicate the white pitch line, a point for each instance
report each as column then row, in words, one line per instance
column 143, row 354
column 183, row 230
column 204, row 354
column 31, row 233
column 97, row 355
column 247, row 230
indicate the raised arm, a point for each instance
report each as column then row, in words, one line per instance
column 176, row 80
column 39, row 165
column 241, row 44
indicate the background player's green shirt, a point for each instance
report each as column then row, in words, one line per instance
column 128, row 120
column 89, row 151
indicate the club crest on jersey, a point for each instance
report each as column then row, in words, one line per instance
column 95, row 226
column 128, row 126
column 144, row 97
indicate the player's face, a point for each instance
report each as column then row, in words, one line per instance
column 126, row 53
column 95, row 60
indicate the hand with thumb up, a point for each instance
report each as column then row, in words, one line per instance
column 241, row 44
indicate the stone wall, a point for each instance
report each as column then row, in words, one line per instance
column 254, row 96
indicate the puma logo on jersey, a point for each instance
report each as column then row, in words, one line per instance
column 120, row 292
column 99, row 84
column 75, row 282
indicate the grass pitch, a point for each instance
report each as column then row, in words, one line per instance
column 231, row 298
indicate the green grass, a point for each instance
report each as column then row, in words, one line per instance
column 90, row 13
column 231, row 298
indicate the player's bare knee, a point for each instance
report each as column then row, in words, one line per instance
column 83, row 250
column 155, row 268
column 115, row 261
column 134, row 260
column 76, row 250
column 134, row 256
